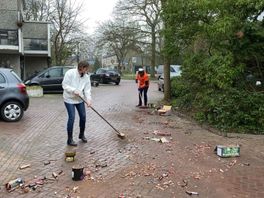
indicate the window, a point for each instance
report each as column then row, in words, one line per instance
column 8, row 37
column 2, row 79
column 53, row 73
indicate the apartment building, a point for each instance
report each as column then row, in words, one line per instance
column 24, row 45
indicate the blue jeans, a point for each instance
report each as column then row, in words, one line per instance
column 144, row 91
column 71, row 115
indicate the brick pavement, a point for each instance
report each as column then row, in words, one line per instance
column 136, row 166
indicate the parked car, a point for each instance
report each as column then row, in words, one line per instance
column 105, row 75
column 14, row 99
column 174, row 72
column 160, row 68
column 50, row 79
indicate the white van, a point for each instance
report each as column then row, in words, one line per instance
column 175, row 70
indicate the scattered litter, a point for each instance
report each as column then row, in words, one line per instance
column 101, row 163
column 46, row 163
column 191, row 192
column 24, row 166
column 245, row 164
column 13, row 184
column 165, row 110
column 69, row 156
column 163, row 140
column 183, row 184
column 161, row 133
column 228, row 151
column 54, row 175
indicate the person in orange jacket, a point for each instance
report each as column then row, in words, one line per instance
column 143, row 84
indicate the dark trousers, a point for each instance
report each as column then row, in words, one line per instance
column 143, row 91
column 71, row 115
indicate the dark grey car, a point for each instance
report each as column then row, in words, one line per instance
column 14, row 99
column 50, row 79
column 105, row 75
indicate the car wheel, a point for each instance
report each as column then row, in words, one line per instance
column 117, row 82
column 12, row 111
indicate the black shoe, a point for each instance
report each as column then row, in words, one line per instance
column 83, row 138
column 71, row 143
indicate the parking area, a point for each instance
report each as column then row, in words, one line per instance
column 138, row 166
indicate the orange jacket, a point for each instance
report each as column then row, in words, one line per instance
column 143, row 81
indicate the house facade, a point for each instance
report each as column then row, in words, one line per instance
column 24, row 45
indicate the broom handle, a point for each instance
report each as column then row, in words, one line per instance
column 104, row 119
column 101, row 116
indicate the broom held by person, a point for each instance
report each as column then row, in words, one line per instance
column 76, row 84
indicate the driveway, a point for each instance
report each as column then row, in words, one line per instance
column 135, row 167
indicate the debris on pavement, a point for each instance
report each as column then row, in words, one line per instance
column 14, row 183
column 161, row 133
column 164, row 140
column 191, row 192
column 183, row 184
column 70, row 156
column 24, row 166
column 227, row 151
column 165, row 110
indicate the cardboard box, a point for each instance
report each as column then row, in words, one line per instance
column 228, row 151
column 166, row 110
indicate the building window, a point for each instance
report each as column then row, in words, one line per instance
column 8, row 37
column 35, row 44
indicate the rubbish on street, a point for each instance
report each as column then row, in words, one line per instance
column 165, row 110
column 54, row 175
column 161, row 133
column 77, row 173
column 228, row 151
column 163, row 140
column 14, row 183
column 46, row 163
column 191, row 192
column 69, row 156
column 24, row 166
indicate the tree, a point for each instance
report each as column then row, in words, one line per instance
column 148, row 14
column 118, row 37
column 222, row 43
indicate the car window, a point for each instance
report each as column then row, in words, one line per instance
column 65, row 69
column 100, row 71
column 174, row 69
column 16, row 76
column 2, row 79
column 53, row 73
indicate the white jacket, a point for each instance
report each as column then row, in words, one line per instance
column 72, row 81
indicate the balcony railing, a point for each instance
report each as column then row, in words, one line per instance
column 8, row 37
column 35, row 44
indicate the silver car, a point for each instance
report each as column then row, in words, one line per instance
column 14, row 99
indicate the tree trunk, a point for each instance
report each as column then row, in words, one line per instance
column 153, row 52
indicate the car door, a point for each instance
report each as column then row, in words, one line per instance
column 51, row 80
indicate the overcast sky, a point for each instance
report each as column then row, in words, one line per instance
column 96, row 11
